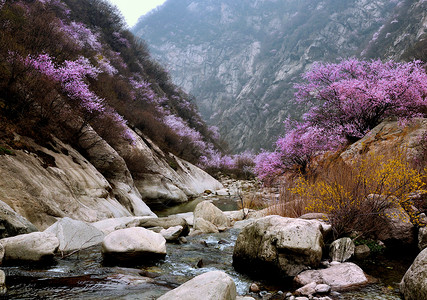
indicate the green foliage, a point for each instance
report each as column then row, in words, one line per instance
column 6, row 151
column 374, row 246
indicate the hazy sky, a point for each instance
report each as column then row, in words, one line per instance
column 133, row 9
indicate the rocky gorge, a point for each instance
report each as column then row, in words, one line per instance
column 240, row 60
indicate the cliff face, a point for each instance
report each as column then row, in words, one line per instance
column 240, row 59
column 43, row 183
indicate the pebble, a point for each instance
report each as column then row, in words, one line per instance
column 254, row 288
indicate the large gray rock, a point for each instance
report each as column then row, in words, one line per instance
column 12, row 223
column 214, row 285
column 341, row 250
column 414, row 283
column 133, row 244
column 166, row 222
column 205, row 226
column 275, row 245
column 206, row 210
column 396, row 227
column 33, row 247
column 339, row 276
column 172, row 234
column 75, row 235
column 109, row 225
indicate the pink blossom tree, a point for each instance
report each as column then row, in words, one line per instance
column 346, row 101
column 352, row 97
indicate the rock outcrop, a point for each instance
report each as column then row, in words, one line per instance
column 414, row 283
column 214, row 285
column 12, row 224
column 163, row 177
column 43, row 184
column 388, row 137
column 274, row 245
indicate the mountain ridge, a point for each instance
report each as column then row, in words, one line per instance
column 242, row 70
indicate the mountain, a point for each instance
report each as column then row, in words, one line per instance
column 91, row 126
column 240, row 59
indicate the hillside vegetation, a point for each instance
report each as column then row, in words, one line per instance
column 68, row 64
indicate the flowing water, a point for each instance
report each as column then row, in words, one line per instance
column 83, row 275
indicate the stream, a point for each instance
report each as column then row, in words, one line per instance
column 83, row 275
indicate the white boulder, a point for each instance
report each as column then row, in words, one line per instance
column 275, row 244
column 209, row 212
column 214, row 285
column 34, row 247
column 134, row 243
column 339, row 276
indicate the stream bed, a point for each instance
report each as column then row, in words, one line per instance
column 83, row 276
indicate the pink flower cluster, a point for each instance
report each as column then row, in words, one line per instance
column 121, row 39
column 71, row 75
column 82, row 36
column 214, row 160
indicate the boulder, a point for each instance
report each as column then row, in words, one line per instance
column 109, row 225
column 422, row 238
column 188, row 216
column 206, row 210
column 205, row 226
column 166, row 222
column 172, row 233
column 414, row 283
column 75, row 235
column 362, row 251
column 133, row 244
column 275, row 245
column 387, row 138
column 396, row 227
column 32, row 247
column 12, row 223
column 214, row 285
column 307, row 290
column 322, row 288
column 341, row 250
column 340, row 276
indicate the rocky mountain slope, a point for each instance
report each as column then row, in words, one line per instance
column 90, row 126
column 240, row 59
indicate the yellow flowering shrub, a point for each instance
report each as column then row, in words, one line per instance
column 355, row 196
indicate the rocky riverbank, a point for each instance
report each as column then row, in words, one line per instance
column 266, row 248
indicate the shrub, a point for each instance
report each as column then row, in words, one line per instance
column 355, row 196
